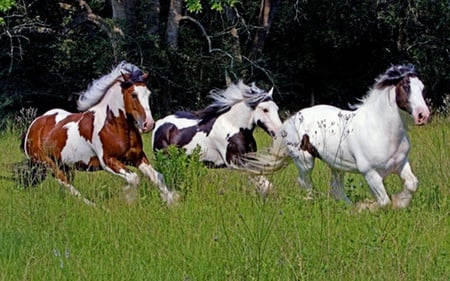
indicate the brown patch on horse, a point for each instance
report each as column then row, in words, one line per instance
column 48, row 138
column 93, row 165
column 121, row 141
column 56, row 141
column 40, row 128
column 307, row 146
column 86, row 125
column 402, row 92
column 131, row 101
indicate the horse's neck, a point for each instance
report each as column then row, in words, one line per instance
column 239, row 116
column 381, row 113
column 113, row 101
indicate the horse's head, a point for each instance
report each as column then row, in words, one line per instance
column 266, row 115
column 409, row 93
column 136, row 100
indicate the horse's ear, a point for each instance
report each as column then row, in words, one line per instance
column 126, row 77
column 270, row 92
column 144, row 77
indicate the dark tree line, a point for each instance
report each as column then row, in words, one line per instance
column 311, row 51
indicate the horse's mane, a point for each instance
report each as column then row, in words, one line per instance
column 391, row 77
column 223, row 100
column 97, row 89
column 394, row 74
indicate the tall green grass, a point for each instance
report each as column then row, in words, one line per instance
column 223, row 230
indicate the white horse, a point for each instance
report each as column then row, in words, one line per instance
column 371, row 140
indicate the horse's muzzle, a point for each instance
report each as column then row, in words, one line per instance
column 421, row 116
column 147, row 126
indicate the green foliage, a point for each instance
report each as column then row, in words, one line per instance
column 181, row 171
column 5, row 5
column 196, row 6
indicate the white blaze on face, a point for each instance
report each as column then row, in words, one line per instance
column 419, row 108
column 266, row 115
column 148, row 124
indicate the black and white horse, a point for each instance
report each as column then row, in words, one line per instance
column 224, row 129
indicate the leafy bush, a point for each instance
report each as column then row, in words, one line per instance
column 181, row 171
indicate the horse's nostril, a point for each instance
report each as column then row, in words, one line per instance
column 420, row 116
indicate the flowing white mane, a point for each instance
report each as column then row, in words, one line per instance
column 373, row 94
column 99, row 87
column 223, row 99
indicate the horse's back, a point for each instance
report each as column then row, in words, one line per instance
column 321, row 131
column 176, row 129
column 58, row 134
column 311, row 118
column 39, row 129
column 188, row 133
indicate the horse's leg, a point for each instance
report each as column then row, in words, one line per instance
column 116, row 167
column 403, row 198
column 74, row 191
column 337, row 186
column 305, row 165
column 169, row 196
column 377, row 189
column 62, row 179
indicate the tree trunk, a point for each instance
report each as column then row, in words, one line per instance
column 114, row 32
column 233, row 40
column 173, row 23
column 124, row 12
column 153, row 17
column 118, row 10
column 266, row 16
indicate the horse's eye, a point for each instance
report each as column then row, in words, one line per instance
column 265, row 110
column 134, row 95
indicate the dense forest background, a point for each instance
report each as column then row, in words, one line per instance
column 310, row 51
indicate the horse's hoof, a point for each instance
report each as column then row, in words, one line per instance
column 171, row 198
column 369, row 205
column 88, row 202
column 130, row 194
column 309, row 196
column 401, row 200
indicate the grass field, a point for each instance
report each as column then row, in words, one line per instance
column 223, row 230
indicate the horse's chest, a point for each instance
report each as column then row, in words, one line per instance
column 118, row 139
column 397, row 156
column 111, row 139
column 238, row 144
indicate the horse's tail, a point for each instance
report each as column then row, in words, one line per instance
column 267, row 160
column 22, row 141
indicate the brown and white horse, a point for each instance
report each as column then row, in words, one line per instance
column 102, row 136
